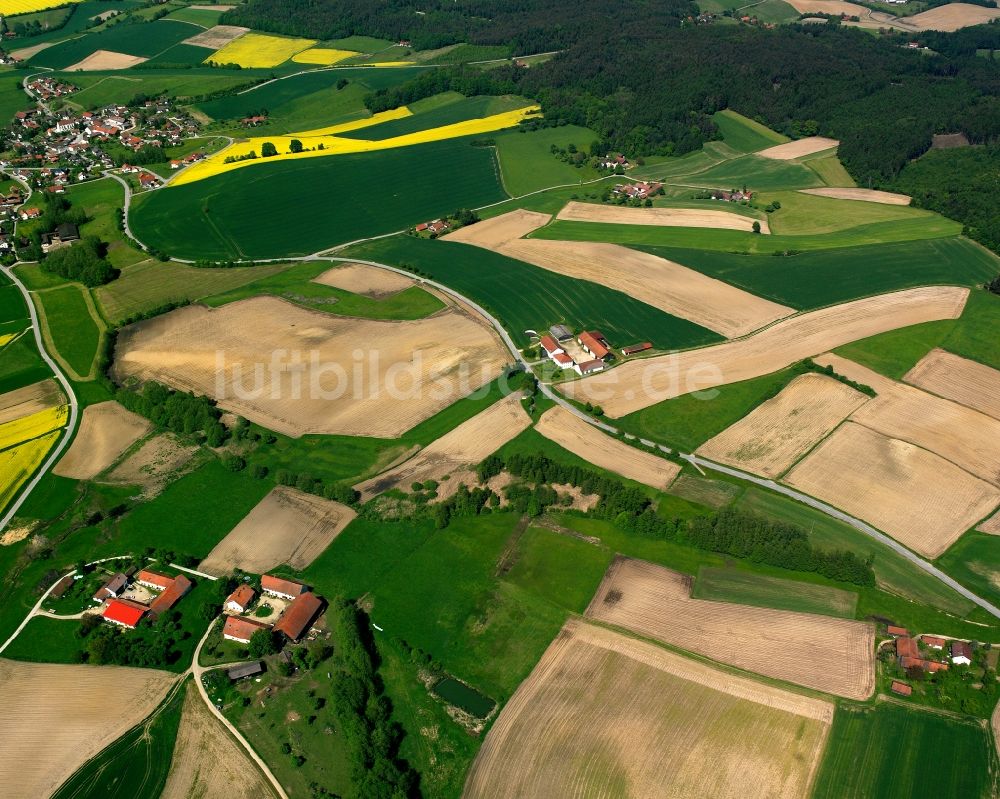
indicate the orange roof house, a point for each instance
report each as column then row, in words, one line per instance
column 241, row 599
column 907, row 648
column 278, row 586
column 594, row 343
column 896, row 631
column 240, row 629
column 299, row 616
column 154, row 580
column 170, row 597
column 901, row 688
column 124, row 613
column 933, row 641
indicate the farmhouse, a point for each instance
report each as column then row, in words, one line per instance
column 637, row 191
column 154, row 580
column 906, row 647
column 927, row 665
column 241, row 599
column 148, row 180
column 60, row 588
column 178, row 588
column 961, row 653
column 550, row 346
column 241, row 630
column 296, row 620
column 279, row 587
column 900, row 688
column 932, row 641
column 112, row 588
column 563, row 361
column 435, row 227
column 732, row 196
column 245, row 670
column 594, row 343
column 124, row 613
column 613, row 161
column 896, row 632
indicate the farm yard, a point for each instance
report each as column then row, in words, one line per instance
column 652, row 717
column 819, row 652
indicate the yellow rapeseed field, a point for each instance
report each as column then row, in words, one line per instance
column 19, row 463
column 259, row 50
column 32, row 426
column 336, row 145
column 5, row 338
column 11, row 7
column 321, row 55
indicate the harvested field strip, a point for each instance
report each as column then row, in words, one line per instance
column 651, row 718
column 105, row 60
column 784, row 343
column 966, row 382
column 917, row 497
column 749, row 588
column 865, row 195
column 29, row 400
column 106, row 431
column 466, row 445
column 286, row 527
column 798, row 148
column 19, row 463
column 710, row 493
column 819, row 652
column 430, row 362
column 991, row 525
column 571, row 432
column 967, row 438
column 779, row 432
column 69, row 712
column 158, row 460
column 950, row 17
column 670, row 217
column 367, row 280
column 32, row 426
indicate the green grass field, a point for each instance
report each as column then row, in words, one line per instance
column 206, row 17
column 80, row 16
column 314, row 203
column 144, row 39
column 12, row 96
column 464, row 53
column 973, row 335
column 755, row 172
column 457, row 110
column 804, row 214
column 974, row 560
column 775, row 11
column 20, row 364
column 99, row 199
column 296, row 284
column 526, row 297
column 101, row 88
column 747, row 588
column 827, row 277
column 528, row 165
column 889, row 751
column 831, row 171
column 745, row 135
column 72, row 329
column 179, row 55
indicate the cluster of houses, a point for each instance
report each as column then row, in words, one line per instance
column 639, row 190
column 909, row 654
column 303, row 609
column 187, row 160
column 734, row 196
column 435, row 227
column 591, row 342
column 128, row 612
column 48, row 88
column 614, row 161
column 254, row 121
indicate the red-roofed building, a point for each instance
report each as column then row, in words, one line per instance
column 240, row 629
column 154, row 580
column 550, row 346
column 900, row 688
column 896, row 632
column 172, row 595
column 961, row 653
column 906, row 647
column 646, row 345
column 589, row 367
column 563, row 361
column 241, row 599
column 280, row 587
column 932, row 641
column 124, row 613
column 148, row 180
column 926, row 665
column 594, row 344
column 299, row 616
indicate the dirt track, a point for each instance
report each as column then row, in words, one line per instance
column 605, row 715
column 641, row 383
column 819, row 652
column 801, row 147
column 959, row 379
column 107, row 430
column 571, row 432
column 864, row 195
column 661, row 217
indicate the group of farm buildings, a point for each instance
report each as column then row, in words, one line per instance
column 592, row 342
column 295, row 622
column 910, row 657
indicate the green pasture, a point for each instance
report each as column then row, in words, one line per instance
column 80, row 15
column 12, row 96
column 179, row 54
column 527, row 163
column 974, row 560
column 802, row 214
column 448, row 113
column 296, row 285
column 775, row 11
column 744, row 134
column 20, row 364
column 66, row 317
column 830, row 171
column 525, row 297
column 145, row 39
column 973, row 335
column 100, row 199
column 818, row 278
column 754, row 172
column 747, row 588
column 220, row 217
column 98, row 89
column 361, row 44
column 464, row 53
column 205, row 17
column 887, row 751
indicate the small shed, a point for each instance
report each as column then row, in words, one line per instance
column 245, row 670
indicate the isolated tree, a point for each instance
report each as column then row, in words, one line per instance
column 295, row 146
column 267, row 149
column 756, row 227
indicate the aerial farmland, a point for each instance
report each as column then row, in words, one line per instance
column 459, row 404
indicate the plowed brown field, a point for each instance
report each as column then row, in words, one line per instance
column 641, row 383
column 106, row 431
column 572, row 433
column 820, row 652
column 780, row 431
column 299, row 371
column 917, row 497
column 605, row 715
column 959, row 379
column 991, row 525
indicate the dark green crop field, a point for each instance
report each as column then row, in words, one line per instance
column 448, row 114
column 299, row 207
column 827, row 277
column 525, row 297
column 889, row 751
column 143, row 39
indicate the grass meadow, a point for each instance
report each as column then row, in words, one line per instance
column 525, row 297
column 745, row 135
column 974, row 560
column 317, row 203
column 146, row 39
column 100, row 199
column 101, row 88
column 68, row 322
column 748, row 588
column 527, row 163
column 12, row 96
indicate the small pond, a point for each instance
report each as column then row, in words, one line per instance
column 463, row 697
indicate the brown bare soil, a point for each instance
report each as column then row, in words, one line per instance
column 207, row 762
column 217, row 37
column 492, row 234
column 572, row 433
column 54, row 717
column 814, row 144
column 948, row 141
column 951, row 17
column 957, row 433
column 638, row 384
column 106, row 431
column 299, row 371
column 605, row 715
column 467, row 444
column 991, row 525
column 959, row 379
column 105, row 60
column 864, row 195
column 578, row 500
column 154, row 464
column 917, row 497
column 363, row 279
column 774, row 435
column 30, row 399
column 663, row 217
column 287, row 526
column 820, row 652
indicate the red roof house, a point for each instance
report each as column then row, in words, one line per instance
column 594, row 343
column 933, row 641
column 278, row 586
column 241, row 599
column 961, row 653
column 646, row 345
column 896, row 631
column 901, row 688
column 906, row 647
column 154, row 580
column 241, row 629
column 299, row 616
column 172, row 595
column 550, row 346
column 563, row 360
column 124, row 613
